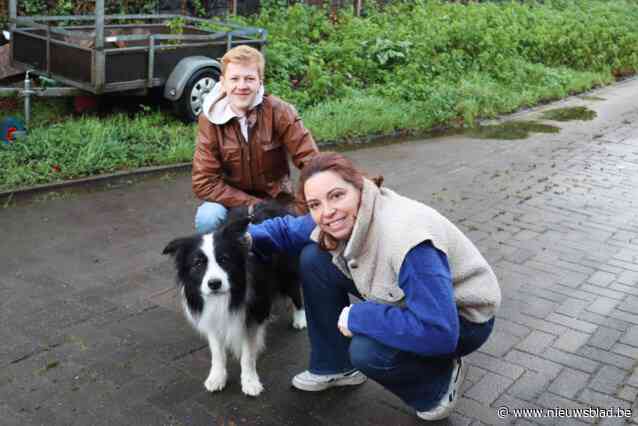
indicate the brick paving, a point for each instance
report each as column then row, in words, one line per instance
column 92, row 334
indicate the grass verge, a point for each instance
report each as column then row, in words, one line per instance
column 442, row 64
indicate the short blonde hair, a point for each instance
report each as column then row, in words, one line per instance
column 244, row 55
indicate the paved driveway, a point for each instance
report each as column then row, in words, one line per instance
column 91, row 333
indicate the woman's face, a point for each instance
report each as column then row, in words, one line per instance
column 333, row 203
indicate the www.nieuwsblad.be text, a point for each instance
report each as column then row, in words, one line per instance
column 586, row 412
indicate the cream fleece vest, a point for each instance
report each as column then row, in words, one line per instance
column 388, row 226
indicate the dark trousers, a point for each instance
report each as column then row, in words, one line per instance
column 419, row 381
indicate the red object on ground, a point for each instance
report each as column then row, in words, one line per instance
column 84, row 104
column 10, row 132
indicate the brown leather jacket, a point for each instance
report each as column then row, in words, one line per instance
column 229, row 171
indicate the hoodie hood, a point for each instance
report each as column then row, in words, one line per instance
column 217, row 105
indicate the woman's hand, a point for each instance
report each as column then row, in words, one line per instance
column 247, row 240
column 342, row 323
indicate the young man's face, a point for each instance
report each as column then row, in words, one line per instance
column 241, row 82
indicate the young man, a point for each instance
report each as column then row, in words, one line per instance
column 243, row 138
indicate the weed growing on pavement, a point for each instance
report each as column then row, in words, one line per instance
column 49, row 366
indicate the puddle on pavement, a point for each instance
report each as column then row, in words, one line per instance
column 592, row 98
column 378, row 141
column 570, row 113
column 510, row 130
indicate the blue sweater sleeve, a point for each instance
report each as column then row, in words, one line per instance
column 282, row 234
column 428, row 324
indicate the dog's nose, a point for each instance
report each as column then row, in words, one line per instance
column 215, row 284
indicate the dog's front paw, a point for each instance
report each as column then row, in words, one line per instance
column 299, row 319
column 252, row 386
column 216, row 381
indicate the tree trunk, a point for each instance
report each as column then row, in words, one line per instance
column 232, row 7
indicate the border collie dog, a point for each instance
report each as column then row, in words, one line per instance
column 227, row 292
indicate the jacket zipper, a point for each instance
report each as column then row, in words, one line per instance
column 247, row 150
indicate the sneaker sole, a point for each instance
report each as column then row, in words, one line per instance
column 356, row 379
column 460, row 377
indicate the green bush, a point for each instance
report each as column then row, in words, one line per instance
column 409, row 48
column 411, row 66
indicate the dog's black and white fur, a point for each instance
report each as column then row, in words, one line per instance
column 227, row 292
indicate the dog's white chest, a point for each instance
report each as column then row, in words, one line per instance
column 228, row 326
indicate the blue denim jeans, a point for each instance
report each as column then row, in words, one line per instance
column 419, row 381
column 208, row 216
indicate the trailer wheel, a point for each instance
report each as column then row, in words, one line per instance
column 199, row 85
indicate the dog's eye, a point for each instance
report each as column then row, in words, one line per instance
column 198, row 263
column 224, row 258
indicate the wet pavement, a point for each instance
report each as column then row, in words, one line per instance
column 92, row 335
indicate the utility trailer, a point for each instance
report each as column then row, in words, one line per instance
column 126, row 53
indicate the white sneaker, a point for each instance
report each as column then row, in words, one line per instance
column 308, row 381
column 451, row 397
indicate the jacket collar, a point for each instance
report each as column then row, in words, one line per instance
column 356, row 245
column 217, row 106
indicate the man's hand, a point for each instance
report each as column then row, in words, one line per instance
column 342, row 324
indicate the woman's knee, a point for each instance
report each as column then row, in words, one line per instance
column 473, row 335
column 372, row 357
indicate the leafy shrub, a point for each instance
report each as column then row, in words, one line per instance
column 408, row 49
column 413, row 65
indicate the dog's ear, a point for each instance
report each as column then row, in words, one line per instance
column 176, row 245
column 236, row 228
